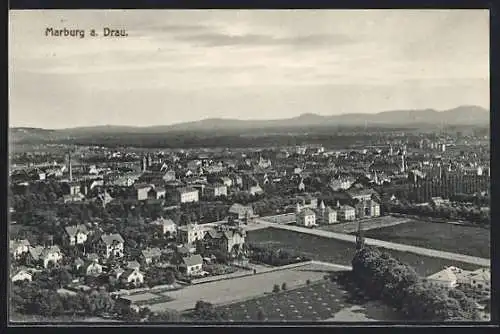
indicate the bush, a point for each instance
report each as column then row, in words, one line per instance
column 308, row 282
column 276, row 288
column 283, row 286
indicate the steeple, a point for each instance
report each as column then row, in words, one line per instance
column 322, row 206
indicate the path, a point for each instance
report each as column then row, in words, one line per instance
column 259, row 223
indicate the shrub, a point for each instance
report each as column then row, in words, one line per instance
column 308, row 282
column 276, row 288
column 283, row 286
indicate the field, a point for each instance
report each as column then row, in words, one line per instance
column 320, row 301
column 342, row 252
column 367, row 224
column 237, row 289
column 468, row 240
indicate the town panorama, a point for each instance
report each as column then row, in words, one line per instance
column 315, row 214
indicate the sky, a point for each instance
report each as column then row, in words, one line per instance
column 185, row 65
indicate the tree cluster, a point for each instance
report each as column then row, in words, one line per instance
column 28, row 298
column 274, row 257
column 207, row 312
column 481, row 218
column 383, row 277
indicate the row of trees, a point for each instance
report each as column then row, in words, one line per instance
column 474, row 215
column 383, row 277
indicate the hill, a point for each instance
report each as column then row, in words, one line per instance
column 463, row 115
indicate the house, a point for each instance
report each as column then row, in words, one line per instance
column 141, row 191
column 92, row 268
column 169, row 176
column 326, row 215
column 264, row 163
column 191, row 265
column 187, row 195
column 368, row 208
column 19, row 247
column 75, row 235
column 21, row 274
column 73, row 198
column 157, row 193
column 190, row 233
column 45, row 255
column 480, row 278
column 151, row 255
column 345, row 212
column 361, row 194
column 74, row 188
column 110, row 244
column 165, row 226
column 241, row 213
column 133, row 265
column 216, row 190
column 226, row 181
column 446, row 277
column 306, row 217
column 307, row 202
column 132, row 276
column 225, row 241
column 255, row 190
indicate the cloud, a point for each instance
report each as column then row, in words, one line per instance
column 215, row 39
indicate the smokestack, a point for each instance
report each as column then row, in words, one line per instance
column 70, row 167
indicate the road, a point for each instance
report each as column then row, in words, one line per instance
column 259, row 224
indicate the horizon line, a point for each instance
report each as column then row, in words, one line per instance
column 243, row 120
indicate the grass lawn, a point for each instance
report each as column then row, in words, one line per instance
column 468, row 240
column 319, row 301
column 342, row 252
column 236, row 289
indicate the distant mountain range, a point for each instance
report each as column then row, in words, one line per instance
column 463, row 115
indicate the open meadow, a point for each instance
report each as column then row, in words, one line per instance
column 468, row 240
column 342, row 252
